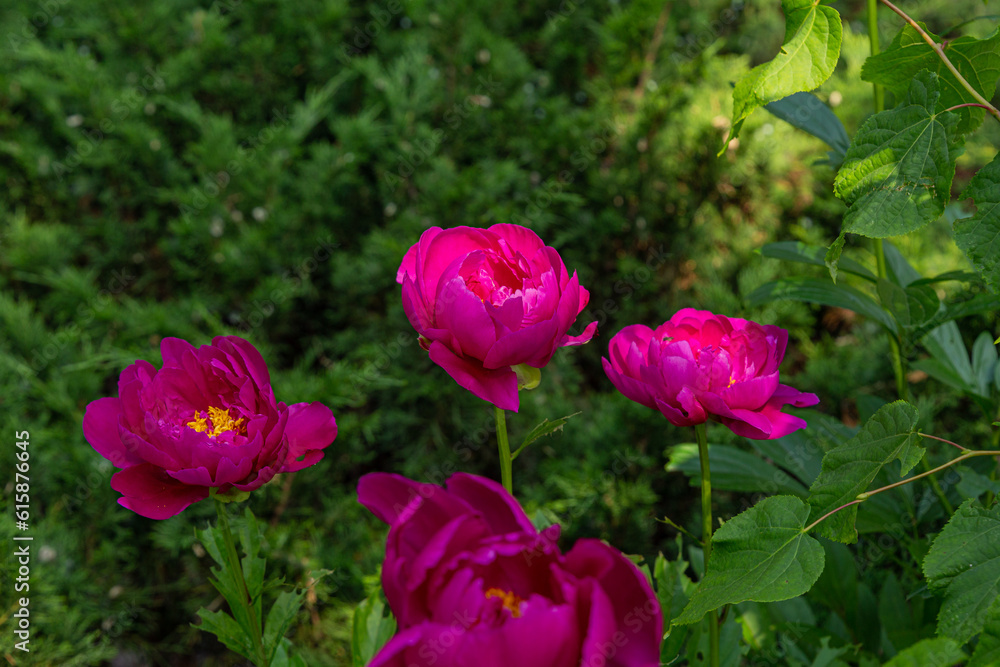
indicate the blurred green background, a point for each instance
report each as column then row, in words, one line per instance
column 256, row 167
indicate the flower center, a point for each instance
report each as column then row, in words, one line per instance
column 215, row 421
column 511, row 602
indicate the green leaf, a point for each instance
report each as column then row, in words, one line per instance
column 978, row 61
column 546, row 427
column 813, row 33
column 251, row 535
column 801, row 452
column 849, row 469
column 279, row 619
column 761, row 555
column 809, row 114
column 371, row 630
column 940, row 652
column 979, row 303
column 673, row 589
column 227, row 630
column 732, row 470
column 949, row 361
column 811, row 290
column 984, row 362
column 964, row 563
column 972, row 484
column 897, row 175
column 979, row 235
column 796, row 251
column 987, row 653
column 911, row 306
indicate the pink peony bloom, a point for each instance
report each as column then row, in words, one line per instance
column 698, row 366
column 207, row 420
column 472, row 582
column 486, row 300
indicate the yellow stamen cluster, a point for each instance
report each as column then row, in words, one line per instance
column 215, row 422
column 511, row 602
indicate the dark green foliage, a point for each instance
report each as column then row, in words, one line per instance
column 196, row 168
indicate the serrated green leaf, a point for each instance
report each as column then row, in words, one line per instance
column 761, row 555
column 972, row 484
column 964, row 563
column 987, row 653
column 979, row 235
column 811, row 290
column 733, row 470
column 978, row 61
column 223, row 626
column 809, row 114
column 253, row 564
column 802, row 451
column 849, row 469
column 546, row 427
column 897, row 175
column 911, row 306
column 979, row 303
column 940, row 652
column 371, row 629
column 279, row 619
column 796, row 251
column 811, row 48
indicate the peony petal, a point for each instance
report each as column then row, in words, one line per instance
column 500, row 510
column 518, row 239
column 636, row 609
column 589, row 332
column 464, row 314
column 532, row 345
column 248, row 354
column 751, row 394
column 100, row 428
column 496, row 386
column 633, row 389
column 310, row 428
column 150, row 492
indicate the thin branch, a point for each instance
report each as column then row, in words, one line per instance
column 969, row 454
column 939, row 49
column 934, row 437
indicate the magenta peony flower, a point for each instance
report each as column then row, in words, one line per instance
column 471, row 582
column 698, row 366
column 487, row 300
column 207, row 420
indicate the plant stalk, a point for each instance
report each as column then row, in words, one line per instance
column 879, row 91
column 939, row 50
column 969, row 454
column 237, row 568
column 504, row 446
column 701, row 434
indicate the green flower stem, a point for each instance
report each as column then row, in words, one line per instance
column 969, row 454
column 504, row 445
column 898, row 367
column 873, row 40
column 237, row 569
column 701, row 434
column 939, row 50
column 936, row 487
